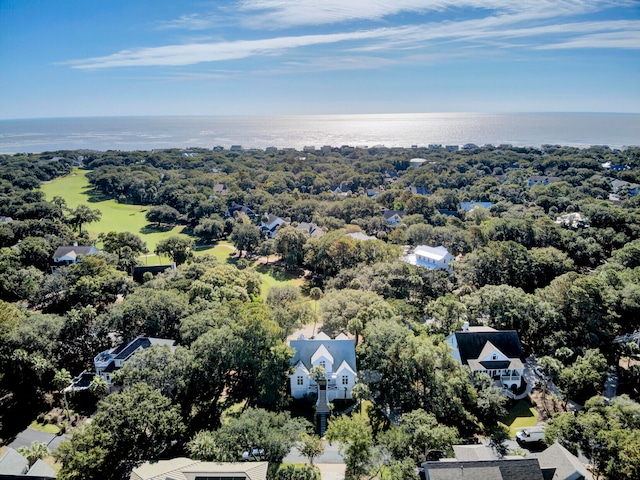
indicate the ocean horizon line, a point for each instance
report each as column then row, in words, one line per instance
column 126, row 133
column 278, row 115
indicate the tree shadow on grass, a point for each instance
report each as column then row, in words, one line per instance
column 149, row 229
column 278, row 273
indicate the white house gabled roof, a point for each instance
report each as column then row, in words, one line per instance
column 345, row 366
column 322, row 336
column 321, row 352
column 342, row 336
column 340, row 351
column 301, row 366
column 490, row 348
column 433, row 253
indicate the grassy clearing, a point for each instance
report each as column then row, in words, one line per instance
column 522, row 415
column 47, row 427
column 75, row 189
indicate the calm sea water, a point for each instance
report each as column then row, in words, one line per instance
column 391, row 130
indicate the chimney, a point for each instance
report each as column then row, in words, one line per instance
column 465, row 327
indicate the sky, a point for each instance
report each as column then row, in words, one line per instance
column 77, row 58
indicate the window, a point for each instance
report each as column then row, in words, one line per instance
column 345, row 380
column 494, row 357
column 300, row 380
column 323, row 364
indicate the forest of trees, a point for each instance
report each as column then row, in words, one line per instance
column 568, row 290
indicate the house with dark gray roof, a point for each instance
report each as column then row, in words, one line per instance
column 311, row 229
column 485, row 350
column 235, row 208
column 109, row 361
column 393, row 217
column 337, row 356
column 13, row 465
column 505, row 469
column 558, row 463
column 479, row 462
column 271, row 224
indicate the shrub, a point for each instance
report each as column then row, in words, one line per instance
column 296, row 472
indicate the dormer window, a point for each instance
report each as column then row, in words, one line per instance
column 300, row 380
column 323, row 364
column 494, row 356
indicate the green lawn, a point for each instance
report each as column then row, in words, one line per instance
column 520, row 416
column 47, row 427
column 75, row 189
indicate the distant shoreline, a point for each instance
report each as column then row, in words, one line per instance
column 581, row 130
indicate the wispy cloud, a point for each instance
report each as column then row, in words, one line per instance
column 275, row 14
column 537, row 21
column 194, row 21
column 190, row 54
column 629, row 39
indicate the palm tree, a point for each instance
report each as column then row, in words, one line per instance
column 315, row 294
column 61, row 380
column 98, row 387
column 37, row 451
column 631, row 349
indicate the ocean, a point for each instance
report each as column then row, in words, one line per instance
column 390, row 130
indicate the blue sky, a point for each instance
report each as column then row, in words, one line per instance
column 63, row 58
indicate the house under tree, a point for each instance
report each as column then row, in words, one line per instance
column 498, row 353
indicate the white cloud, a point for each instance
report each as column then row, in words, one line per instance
column 275, row 14
column 534, row 20
column 190, row 54
column 624, row 39
column 194, row 21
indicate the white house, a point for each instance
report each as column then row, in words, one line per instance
column 497, row 353
column 434, row 258
column 272, row 224
column 109, row 361
column 70, row 254
column 338, row 358
column 393, row 217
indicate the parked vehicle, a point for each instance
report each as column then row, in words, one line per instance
column 530, row 435
column 538, row 371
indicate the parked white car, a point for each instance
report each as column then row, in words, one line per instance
column 530, row 435
column 538, row 371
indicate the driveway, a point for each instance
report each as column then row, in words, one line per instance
column 611, row 384
column 28, row 436
column 330, row 463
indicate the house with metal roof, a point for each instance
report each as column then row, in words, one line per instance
column 186, row 469
column 485, row 350
column 109, row 361
column 433, row 258
column 337, row 356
